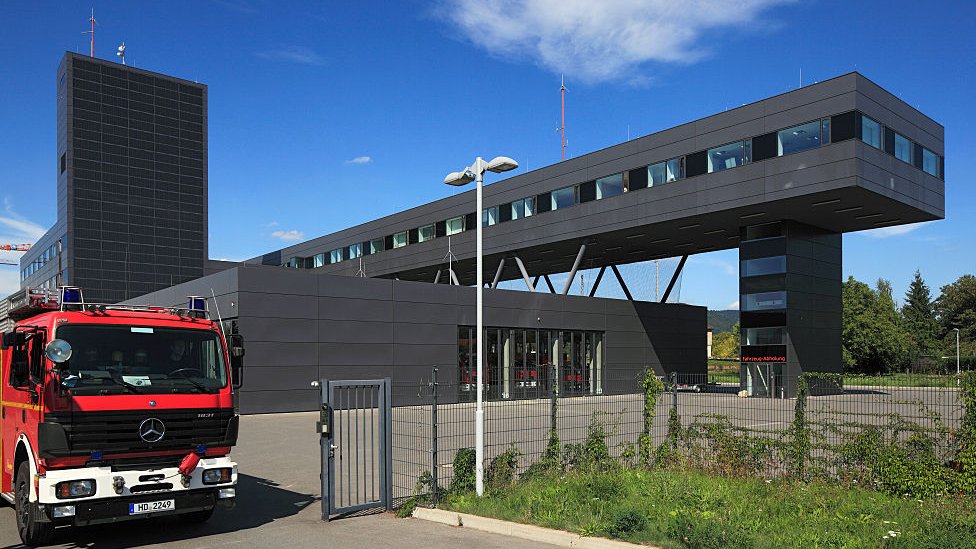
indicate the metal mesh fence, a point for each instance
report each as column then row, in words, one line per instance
column 810, row 426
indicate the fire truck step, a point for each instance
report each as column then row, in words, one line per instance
column 8, row 497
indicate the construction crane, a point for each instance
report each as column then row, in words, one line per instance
column 12, row 248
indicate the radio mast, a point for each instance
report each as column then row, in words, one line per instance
column 562, row 123
column 92, row 32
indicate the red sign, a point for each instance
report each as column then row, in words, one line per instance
column 764, row 359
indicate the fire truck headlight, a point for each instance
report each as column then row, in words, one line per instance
column 75, row 489
column 217, row 476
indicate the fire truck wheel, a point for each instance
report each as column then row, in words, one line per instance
column 199, row 516
column 31, row 531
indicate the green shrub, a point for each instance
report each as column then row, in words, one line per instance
column 902, row 468
column 464, row 476
column 700, row 530
column 592, row 453
column 501, row 471
column 626, row 521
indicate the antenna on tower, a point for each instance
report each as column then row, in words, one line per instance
column 562, row 122
column 92, row 32
column 121, row 52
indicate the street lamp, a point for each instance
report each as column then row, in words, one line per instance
column 476, row 173
column 957, row 350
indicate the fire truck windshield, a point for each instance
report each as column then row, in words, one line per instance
column 137, row 359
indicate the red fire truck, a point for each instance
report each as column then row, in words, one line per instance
column 114, row 412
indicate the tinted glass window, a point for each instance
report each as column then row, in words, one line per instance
column 676, row 169
column 930, row 162
column 609, row 186
column 318, row 260
column 798, row 138
column 529, row 206
column 355, row 250
column 335, row 256
column 455, row 225
column 825, row 131
column 870, row 132
column 765, row 336
column 725, row 157
column 563, row 198
column 400, row 239
column 425, row 233
column 764, row 301
column 376, row 245
column 763, row 266
column 489, row 216
column 518, row 209
column 903, row 148
column 657, row 173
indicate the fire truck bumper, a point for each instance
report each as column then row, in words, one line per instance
column 125, row 495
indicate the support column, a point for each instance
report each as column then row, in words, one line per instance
column 790, row 303
column 525, row 274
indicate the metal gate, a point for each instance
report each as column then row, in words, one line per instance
column 356, row 437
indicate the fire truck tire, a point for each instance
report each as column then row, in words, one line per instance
column 199, row 516
column 32, row 532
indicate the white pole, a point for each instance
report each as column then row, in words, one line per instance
column 957, row 351
column 479, row 415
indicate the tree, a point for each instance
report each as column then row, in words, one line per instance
column 956, row 308
column 726, row 344
column 874, row 340
column 918, row 314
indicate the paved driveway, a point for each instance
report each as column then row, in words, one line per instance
column 278, row 506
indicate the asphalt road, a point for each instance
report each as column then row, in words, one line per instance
column 277, row 506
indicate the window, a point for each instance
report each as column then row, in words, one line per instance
column 676, row 169
column 355, row 250
column 657, row 173
column 727, row 156
column 64, row 162
column 529, row 206
column 455, row 225
column 563, row 198
column 764, row 301
column 376, row 245
column 825, row 131
column 903, row 148
column 763, row 266
column 870, row 132
column 765, row 336
column 798, row 138
column 518, row 209
column 400, row 239
column 318, row 260
column 425, row 233
column 335, row 256
column 609, row 186
column 489, row 216
column 930, row 162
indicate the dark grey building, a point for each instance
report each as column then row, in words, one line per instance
column 781, row 179
column 302, row 326
column 132, row 183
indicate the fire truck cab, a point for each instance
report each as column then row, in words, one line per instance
column 114, row 412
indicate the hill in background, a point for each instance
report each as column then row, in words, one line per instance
column 722, row 321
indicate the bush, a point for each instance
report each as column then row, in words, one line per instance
column 501, row 470
column 626, row 521
column 464, row 476
column 592, row 453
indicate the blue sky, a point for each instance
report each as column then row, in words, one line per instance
column 327, row 114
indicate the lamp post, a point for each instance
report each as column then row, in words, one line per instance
column 957, row 351
column 476, row 173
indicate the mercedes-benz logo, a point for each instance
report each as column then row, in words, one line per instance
column 152, row 430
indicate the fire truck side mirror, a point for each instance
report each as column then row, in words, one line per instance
column 14, row 339
column 236, row 344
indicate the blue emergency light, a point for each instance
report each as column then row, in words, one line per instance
column 71, row 298
column 197, row 306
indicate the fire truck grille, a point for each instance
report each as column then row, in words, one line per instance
column 128, row 431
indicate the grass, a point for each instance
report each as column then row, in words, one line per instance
column 693, row 510
column 901, row 380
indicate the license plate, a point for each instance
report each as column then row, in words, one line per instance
column 151, row 507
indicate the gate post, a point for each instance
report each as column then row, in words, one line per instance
column 387, row 462
column 324, row 427
column 433, row 430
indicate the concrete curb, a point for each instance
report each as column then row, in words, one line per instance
column 522, row 531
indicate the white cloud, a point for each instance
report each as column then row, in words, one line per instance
column 897, row 230
column 288, row 236
column 733, row 305
column 301, row 55
column 360, row 160
column 599, row 41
